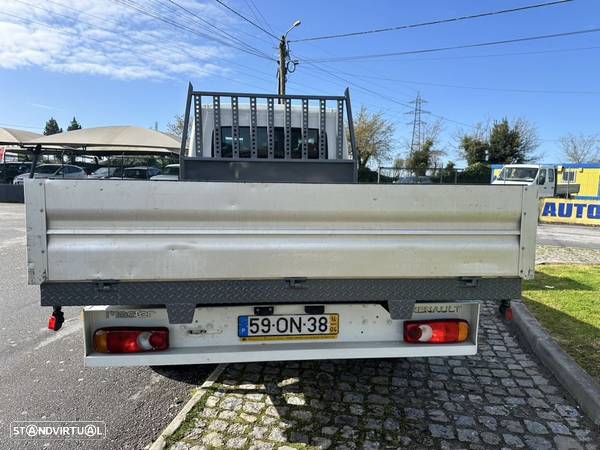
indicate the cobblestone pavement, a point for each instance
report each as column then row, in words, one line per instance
column 547, row 254
column 500, row 398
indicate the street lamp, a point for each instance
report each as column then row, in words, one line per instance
column 297, row 23
column 283, row 54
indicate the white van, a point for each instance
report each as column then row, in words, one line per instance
column 544, row 176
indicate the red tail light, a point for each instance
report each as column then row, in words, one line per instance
column 131, row 340
column 443, row 331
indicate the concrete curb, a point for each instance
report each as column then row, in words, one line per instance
column 160, row 443
column 573, row 378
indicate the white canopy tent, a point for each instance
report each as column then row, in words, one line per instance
column 11, row 136
column 115, row 140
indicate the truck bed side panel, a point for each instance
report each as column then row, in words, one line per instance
column 149, row 231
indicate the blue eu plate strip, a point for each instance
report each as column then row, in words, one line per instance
column 243, row 326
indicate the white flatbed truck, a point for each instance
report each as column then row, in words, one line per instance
column 268, row 249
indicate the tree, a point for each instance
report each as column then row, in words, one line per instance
column 74, row 125
column 52, row 127
column 420, row 160
column 579, row 149
column 512, row 143
column 374, row 137
column 474, row 149
column 399, row 163
column 176, row 127
column 502, row 143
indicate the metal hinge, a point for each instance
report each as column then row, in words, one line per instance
column 468, row 282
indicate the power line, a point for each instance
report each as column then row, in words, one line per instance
column 262, row 16
column 201, row 19
column 258, row 15
column 383, row 96
column 433, row 22
column 457, row 47
column 482, row 88
column 246, row 19
column 145, row 42
column 135, row 6
column 492, row 55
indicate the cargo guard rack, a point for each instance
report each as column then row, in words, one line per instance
column 270, row 167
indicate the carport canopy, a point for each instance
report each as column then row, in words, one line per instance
column 11, row 136
column 117, row 139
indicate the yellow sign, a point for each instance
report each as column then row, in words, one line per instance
column 559, row 210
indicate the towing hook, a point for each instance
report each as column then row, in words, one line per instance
column 57, row 318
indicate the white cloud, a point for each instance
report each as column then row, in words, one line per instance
column 103, row 37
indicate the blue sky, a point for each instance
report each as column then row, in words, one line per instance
column 109, row 64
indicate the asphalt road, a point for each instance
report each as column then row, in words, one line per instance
column 42, row 375
column 568, row 236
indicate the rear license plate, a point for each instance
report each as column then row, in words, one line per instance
column 288, row 327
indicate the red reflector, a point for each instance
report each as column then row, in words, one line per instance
column 131, row 340
column 442, row 331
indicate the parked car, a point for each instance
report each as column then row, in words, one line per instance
column 103, row 172
column 171, row 173
column 53, row 171
column 135, row 173
column 9, row 170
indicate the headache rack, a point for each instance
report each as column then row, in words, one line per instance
column 277, row 162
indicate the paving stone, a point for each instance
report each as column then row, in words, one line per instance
column 512, row 440
column 277, row 435
column 567, row 411
column 298, row 438
column 438, row 415
column 353, row 397
column 237, row 442
column 258, row 445
column 346, row 420
column 535, row 427
column 501, row 397
column 488, row 422
column 321, row 442
column 537, row 442
column 441, row 431
column 301, row 415
column 567, row 443
column 464, row 421
column 213, row 439
column 496, row 410
column 490, row 438
column 467, row 435
column 253, row 407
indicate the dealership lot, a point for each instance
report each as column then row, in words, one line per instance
column 501, row 397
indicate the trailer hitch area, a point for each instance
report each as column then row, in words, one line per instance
column 57, row 318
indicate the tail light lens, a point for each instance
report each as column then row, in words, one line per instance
column 442, row 331
column 131, row 340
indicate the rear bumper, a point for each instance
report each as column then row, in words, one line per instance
column 366, row 331
column 182, row 297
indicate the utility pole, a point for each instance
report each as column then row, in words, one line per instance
column 283, row 59
column 283, row 54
